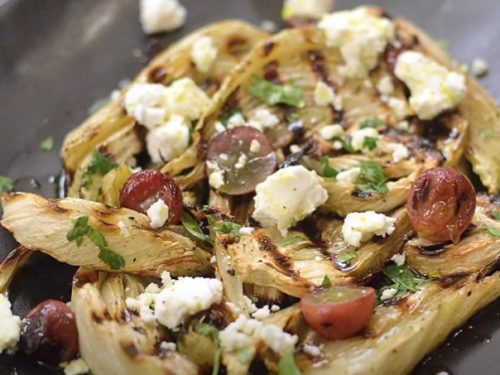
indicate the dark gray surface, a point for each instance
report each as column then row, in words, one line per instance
column 57, row 57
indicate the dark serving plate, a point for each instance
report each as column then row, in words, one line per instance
column 57, row 57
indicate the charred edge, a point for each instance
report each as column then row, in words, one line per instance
column 237, row 45
column 53, row 206
column 267, row 48
column 318, row 65
column 98, row 319
column 265, row 244
column 422, row 193
column 14, row 256
column 130, row 349
column 229, row 240
column 81, row 279
column 139, row 330
column 9, row 197
column 157, row 74
column 452, row 280
column 432, row 250
column 489, row 270
column 271, row 72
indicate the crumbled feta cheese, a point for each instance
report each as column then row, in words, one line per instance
column 338, row 145
column 268, row 26
column 255, row 146
column 161, row 15
column 185, row 99
column 306, row 8
column 217, row 178
column 145, row 102
column 158, row 214
column 224, row 156
column 403, row 125
column 288, row 196
column 350, row 175
column 479, row 67
column 275, row 308
column 242, row 161
column 177, row 300
column 295, row 148
column 331, row 131
column 397, row 105
column 318, row 258
column 262, row 313
column 324, row 96
column 358, row 138
column 10, row 326
column 219, row 127
column 168, row 346
column 262, row 119
column 362, row 226
column 236, row 120
column 434, row 89
column 312, row 350
column 388, row 294
column 213, row 259
column 246, row 231
column 204, row 53
column 168, row 141
column 385, row 86
column 361, row 37
column 399, row 152
column 399, row 259
column 75, row 367
column 123, row 229
column 244, row 332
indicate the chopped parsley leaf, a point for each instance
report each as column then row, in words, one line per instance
column 347, row 257
column 100, row 164
column 273, row 94
column 326, row 283
column 47, row 144
column 190, row 224
column 6, row 184
column 402, row 279
column 81, row 228
column 372, row 178
column 370, row 123
column 493, row 231
column 227, row 227
column 291, row 241
column 287, row 365
column 206, row 329
column 327, row 171
column 369, row 143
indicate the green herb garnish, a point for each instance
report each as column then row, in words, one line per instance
column 348, row 146
column 273, row 94
column 211, row 331
column 227, row 227
column 372, row 178
column 402, row 279
column 6, row 184
column 287, row 365
column 47, row 144
column 291, row 241
column 493, row 231
column 190, row 224
column 370, row 123
column 81, row 228
column 496, row 214
column 347, row 257
column 327, row 171
column 217, row 359
column 369, row 143
column 326, row 283
column 487, row 133
column 100, row 164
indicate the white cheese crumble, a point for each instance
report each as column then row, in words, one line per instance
column 362, row 226
column 275, row 308
column 176, row 300
column 217, row 179
column 479, row 67
column 204, row 53
column 399, row 259
column 388, row 294
column 295, row 148
column 158, row 214
column 361, row 38
column 241, row 162
column 329, row 132
column 255, row 146
column 338, row 145
column 324, row 95
column 161, row 15
column 235, row 120
column 397, row 105
column 399, row 152
column 168, row 346
column 75, row 367
column 123, row 229
column 385, row 86
column 350, row 175
column 358, row 138
column 312, row 350
column 434, row 88
column 268, row 26
column 168, row 141
column 403, row 125
column 185, row 99
column 306, row 8
column 145, row 103
column 10, row 326
column 288, row 196
column 244, row 332
column 246, row 231
column 262, row 119
column 262, row 313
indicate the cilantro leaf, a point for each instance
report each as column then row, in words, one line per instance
column 227, row 227
column 287, row 365
column 370, row 123
column 370, row 143
column 493, row 231
column 80, row 229
column 190, row 224
column 327, row 171
column 496, row 214
column 403, row 279
column 47, row 144
column 6, row 184
column 347, row 257
column 326, row 283
column 208, row 330
column 372, row 178
column 114, row 260
column 292, row 240
column 273, row 94
column 100, row 164
column 348, row 146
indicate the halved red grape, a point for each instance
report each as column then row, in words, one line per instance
column 441, row 204
column 143, row 189
column 245, row 156
column 338, row 312
column 49, row 333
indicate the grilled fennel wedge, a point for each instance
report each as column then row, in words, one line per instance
column 113, row 341
column 11, row 264
column 42, row 225
column 233, row 39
